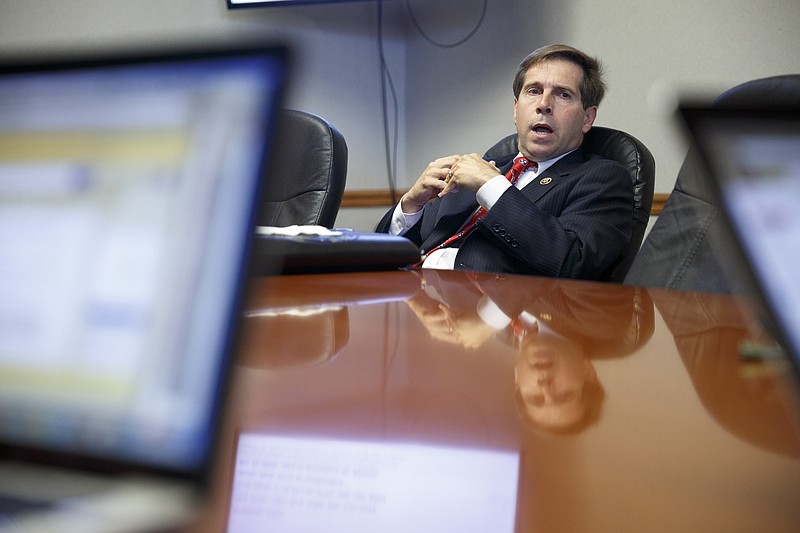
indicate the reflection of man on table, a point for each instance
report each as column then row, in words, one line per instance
column 558, row 329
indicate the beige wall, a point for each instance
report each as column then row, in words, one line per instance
column 455, row 99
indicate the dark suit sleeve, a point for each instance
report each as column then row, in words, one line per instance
column 413, row 233
column 575, row 230
column 383, row 224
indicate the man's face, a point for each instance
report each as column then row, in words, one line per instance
column 550, row 374
column 548, row 112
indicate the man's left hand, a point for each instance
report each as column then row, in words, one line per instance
column 471, row 171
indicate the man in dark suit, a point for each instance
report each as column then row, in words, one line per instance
column 569, row 217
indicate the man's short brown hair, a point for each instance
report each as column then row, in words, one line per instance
column 592, row 87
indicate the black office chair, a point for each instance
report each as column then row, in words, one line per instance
column 630, row 153
column 305, row 180
column 689, row 246
column 279, row 341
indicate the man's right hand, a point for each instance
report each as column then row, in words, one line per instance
column 428, row 185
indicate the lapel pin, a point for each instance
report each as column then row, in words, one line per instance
column 545, row 181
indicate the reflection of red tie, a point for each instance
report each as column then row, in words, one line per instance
column 521, row 327
column 521, row 164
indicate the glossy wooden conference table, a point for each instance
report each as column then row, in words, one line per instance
column 385, row 402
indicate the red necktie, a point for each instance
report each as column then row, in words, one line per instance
column 521, row 164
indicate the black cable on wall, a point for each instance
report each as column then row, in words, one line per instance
column 388, row 88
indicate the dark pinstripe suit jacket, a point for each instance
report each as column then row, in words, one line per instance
column 572, row 225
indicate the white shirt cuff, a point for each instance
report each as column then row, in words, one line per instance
column 491, row 314
column 402, row 222
column 491, row 191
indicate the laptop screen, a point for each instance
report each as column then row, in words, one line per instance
column 127, row 190
column 754, row 161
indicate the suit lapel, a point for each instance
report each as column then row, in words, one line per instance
column 553, row 176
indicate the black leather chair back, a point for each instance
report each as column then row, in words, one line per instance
column 630, row 153
column 306, row 176
column 689, row 247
